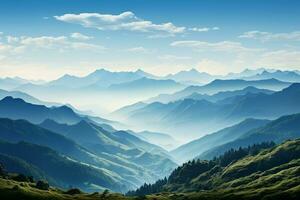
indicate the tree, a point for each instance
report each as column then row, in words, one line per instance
column 42, row 185
column 104, row 193
column 2, row 171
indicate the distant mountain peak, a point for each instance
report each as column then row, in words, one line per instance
column 10, row 99
column 68, row 76
column 192, row 70
column 82, row 123
column 265, row 72
column 139, row 71
column 49, row 121
column 99, row 72
column 250, row 88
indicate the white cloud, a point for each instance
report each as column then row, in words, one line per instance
column 11, row 39
column 16, row 45
column 124, row 21
column 80, row 36
column 61, row 42
column 204, row 29
column 4, row 48
column 138, row 50
column 224, row 46
column 174, row 57
column 267, row 36
column 43, row 41
column 86, row 46
column 280, row 59
column 8, row 49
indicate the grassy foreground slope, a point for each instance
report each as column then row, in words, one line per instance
column 13, row 190
column 249, row 173
column 272, row 173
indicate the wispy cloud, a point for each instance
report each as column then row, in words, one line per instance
column 174, row 57
column 124, row 21
column 11, row 39
column 15, row 45
column 138, row 50
column 267, row 36
column 43, row 41
column 223, row 46
column 80, row 36
column 204, row 29
column 280, row 58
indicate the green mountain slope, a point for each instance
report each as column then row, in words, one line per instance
column 126, row 167
column 15, row 164
column 60, row 170
column 119, row 146
column 196, row 147
column 19, row 109
column 283, row 128
column 248, row 173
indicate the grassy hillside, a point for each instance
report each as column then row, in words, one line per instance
column 13, row 190
column 249, row 173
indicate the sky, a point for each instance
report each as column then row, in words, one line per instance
column 49, row 38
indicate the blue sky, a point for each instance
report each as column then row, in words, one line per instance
column 45, row 39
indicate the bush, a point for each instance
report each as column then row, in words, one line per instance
column 16, row 187
column 21, row 178
column 42, row 185
column 104, row 193
column 2, row 171
column 73, row 191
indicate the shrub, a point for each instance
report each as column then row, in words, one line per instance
column 73, row 191
column 21, row 178
column 42, row 185
column 2, row 171
column 16, row 187
column 104, row 193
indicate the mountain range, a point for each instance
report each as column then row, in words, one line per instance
column 16, row 108
column 103, row 87
column 201, row 116
column 81, row 139
column 242, row 131
column 191, row 77
column 288, row 76
column 101, row 78
column 279, row 130
column 194, row 148
column 219, row 85
column 26, row 97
